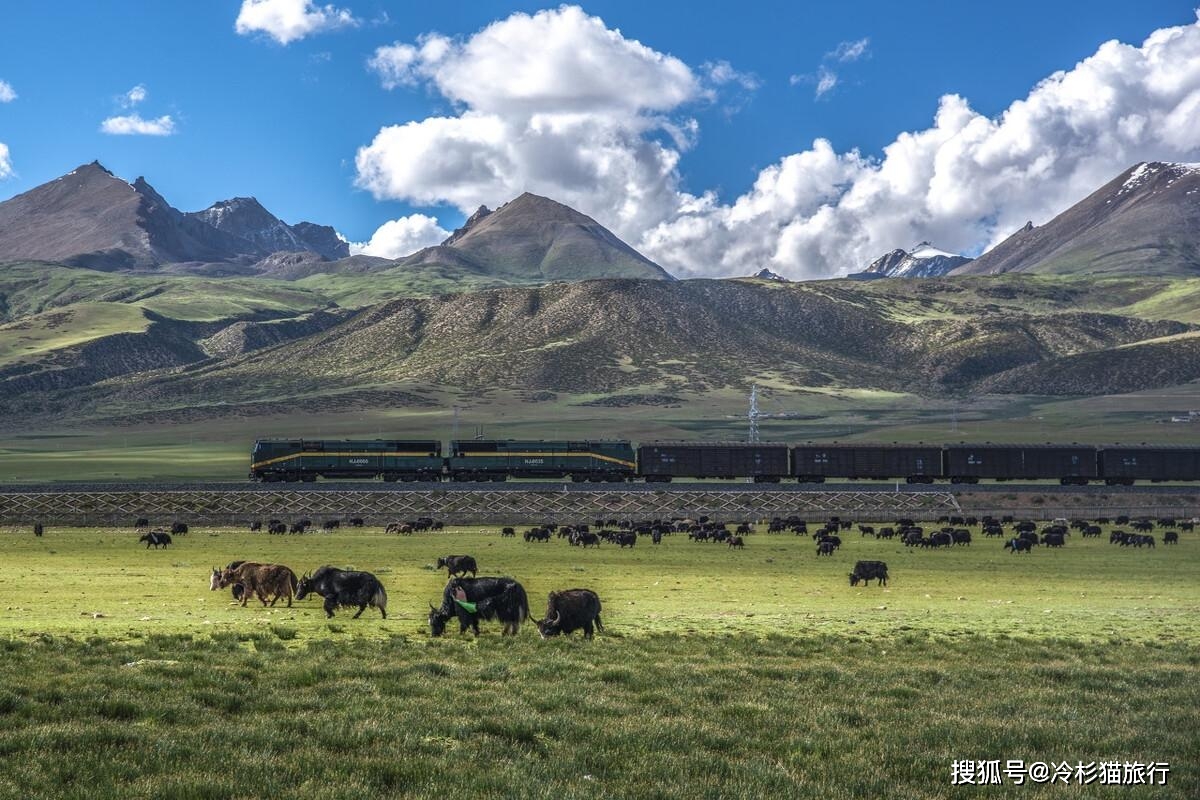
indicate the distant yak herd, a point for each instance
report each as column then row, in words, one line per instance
column 470, row 600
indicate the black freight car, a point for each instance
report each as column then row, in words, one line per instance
column 1122, row 465
column 919, row 463
column 765, row 462
column 1069, row 464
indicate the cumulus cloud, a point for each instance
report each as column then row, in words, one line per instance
column 401, row 237
column 7, row 93
column 134, row 96
column 966, row 182
column 554, row 103
column 135, row 125
column 6, row 169
column 288, row 21
column 558, row 104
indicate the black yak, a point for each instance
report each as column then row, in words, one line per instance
column 344, row 588
column 472, row 599
column 571, row 610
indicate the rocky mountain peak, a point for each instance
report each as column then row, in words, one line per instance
column 480, row 214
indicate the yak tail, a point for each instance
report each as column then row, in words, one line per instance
column 292, row 581
column 523, row 603
column 379, row 599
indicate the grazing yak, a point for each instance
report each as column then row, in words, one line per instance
column 156, row 539
column 344, row 588
column 1170, row 537
column 38, row 529
column 262, row 580
column 570, row 610
column 457, row 565
column 737, row 541
column 537, row 535
column 179, row 528
column 867, row 571
column 1019, row 545
column 472, row 599
column 826, row 548
column 215, row 582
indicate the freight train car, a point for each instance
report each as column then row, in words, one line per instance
column 1069, row 464
column 499, row 459
column 920, row 463
column 1122, row 465
column 308, row 459
column 765, row 462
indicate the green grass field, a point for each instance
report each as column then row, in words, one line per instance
column 755, row 673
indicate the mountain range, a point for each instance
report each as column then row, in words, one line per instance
column 91, row 218
column 125, row 310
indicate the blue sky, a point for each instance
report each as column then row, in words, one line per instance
column 284, row 122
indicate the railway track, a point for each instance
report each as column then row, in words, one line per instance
column 614, row 488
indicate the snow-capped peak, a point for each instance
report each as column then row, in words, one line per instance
column 926, row 250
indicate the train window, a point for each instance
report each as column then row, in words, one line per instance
column 974, row 459
column 821, row 458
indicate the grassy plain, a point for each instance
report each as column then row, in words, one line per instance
column 752, row 673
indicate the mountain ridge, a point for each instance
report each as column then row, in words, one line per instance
column 1146, row 220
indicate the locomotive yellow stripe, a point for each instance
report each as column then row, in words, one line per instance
column 611, row 459
column 289, row 457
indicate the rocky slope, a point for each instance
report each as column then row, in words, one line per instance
column 1146, row 221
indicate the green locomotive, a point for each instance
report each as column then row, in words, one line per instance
column 583, row 460
column 308, row 459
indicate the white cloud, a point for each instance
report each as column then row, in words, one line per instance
column 826, row 79
column 401, row 237
column 287, row 21
column 134, row 96
column 966, row 182
column 133, row 124
column 850, row 51
column 569, row 108
column 7, row 93
column 722, row 72
column 6, row 169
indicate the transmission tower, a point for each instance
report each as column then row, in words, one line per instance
column 753, row 415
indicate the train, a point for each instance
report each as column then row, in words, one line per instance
column 616, row 460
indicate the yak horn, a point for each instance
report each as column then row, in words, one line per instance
column 557, row 617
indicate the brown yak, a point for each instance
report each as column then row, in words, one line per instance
column 263, row 580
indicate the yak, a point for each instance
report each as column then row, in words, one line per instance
column 867, row 571
column 472, row 599
column 457, row 565
column 156, row 538
column 179, row 528
column 571, row 610
column 215, row 582
column 38, row 529
column 262, row 580
column 344, row 588
column 737, row 541
column 825, row 548
column 1019, row 545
